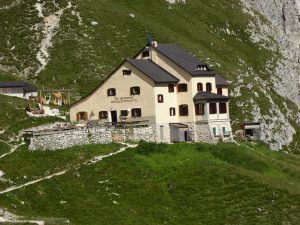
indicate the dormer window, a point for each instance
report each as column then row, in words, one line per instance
column 202, row 68
column 145, row 53
column 111, row 92
column 126, row 72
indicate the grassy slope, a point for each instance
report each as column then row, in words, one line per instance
column 171, row 184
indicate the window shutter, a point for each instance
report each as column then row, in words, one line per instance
column 77, row 116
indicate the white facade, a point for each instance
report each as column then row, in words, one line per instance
column 169, row 110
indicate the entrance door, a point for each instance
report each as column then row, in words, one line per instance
column 114, row 118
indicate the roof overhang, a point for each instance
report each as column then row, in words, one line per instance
column 204, row 97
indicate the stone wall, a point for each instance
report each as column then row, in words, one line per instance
column 66, row 139
column 203, row 133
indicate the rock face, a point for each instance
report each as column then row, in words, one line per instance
column 281, row 34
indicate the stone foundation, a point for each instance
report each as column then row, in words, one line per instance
column 66, row 139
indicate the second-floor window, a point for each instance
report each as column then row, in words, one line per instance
column 160, row 98
column 172, row 111
column 183, row 110
column 199, row 87
column 208, row 87
column 222, row 108
column 111, row 92
column 135, row 90
column 136, row 112
column 182, row 87
column 199, row 108
column 103, row 115
column 219, row 91
column 212, row 108
column 171, row 87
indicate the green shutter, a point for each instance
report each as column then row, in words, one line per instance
column 223, row 130
column 215, row 131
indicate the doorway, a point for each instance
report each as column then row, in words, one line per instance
column 114, row 117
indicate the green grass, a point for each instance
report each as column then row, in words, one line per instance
column 171, row 184
column 14, row 118
column 33, row 165
column 4, row 148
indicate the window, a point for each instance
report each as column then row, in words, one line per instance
column 199, row 67
column 126, row 72
column 199, row 87
column 215, row 131
column 136, row 112
column 223, row 108
column 160, row 98
column 135, row 90
column 183, row 110
column 182, row 88
column 172, row 111
column 208, row 87
column 103, row 115
column 111, row 92
column 171, row 88
column 213, row 108
column 124, row 113
column 219, row 91
column 82, row 116
column 145, row 54
column 199, row 108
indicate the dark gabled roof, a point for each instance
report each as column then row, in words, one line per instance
column 220, row 81
column 26, row 87
column 183, row 59
column 208, row 96
column 153, row 71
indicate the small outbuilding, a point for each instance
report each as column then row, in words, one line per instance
column 179, row 132
column 251, row 130
column 19, row 89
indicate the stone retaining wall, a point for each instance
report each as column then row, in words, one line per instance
column 67, row 139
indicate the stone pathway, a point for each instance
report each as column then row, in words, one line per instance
column 92, row 161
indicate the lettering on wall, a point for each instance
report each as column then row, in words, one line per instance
column 123, row 99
